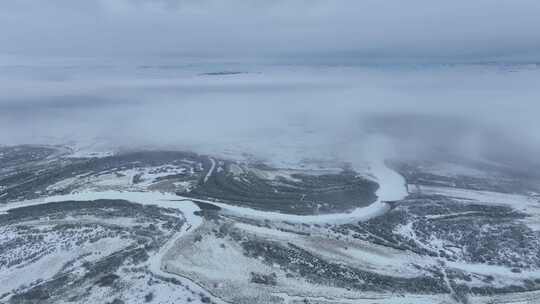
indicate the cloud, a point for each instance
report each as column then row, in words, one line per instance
column 282, row 112
column 416, row 28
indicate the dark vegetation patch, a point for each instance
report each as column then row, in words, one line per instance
column 222, row 73
column 505, row 179
column 24, row 183
column 107, row 280
column 307, row 194
column 319, row 271
column 265, row 279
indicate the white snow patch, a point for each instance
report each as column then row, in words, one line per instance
column 48, row 266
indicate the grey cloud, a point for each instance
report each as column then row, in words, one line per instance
column 417, row 28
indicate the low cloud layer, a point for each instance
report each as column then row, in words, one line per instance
column 282, row 112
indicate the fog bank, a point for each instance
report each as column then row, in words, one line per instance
column 280, row 112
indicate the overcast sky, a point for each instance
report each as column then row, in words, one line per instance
column 480, row 29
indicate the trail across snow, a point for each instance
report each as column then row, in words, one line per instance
column 212, row 167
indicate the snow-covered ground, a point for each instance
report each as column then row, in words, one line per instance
column 227, row 259
column 391, row 187
column 527, row 204
column 145, row 198
column 455, row 170
column 45, row 268
column 91, row 148
column 128, row 179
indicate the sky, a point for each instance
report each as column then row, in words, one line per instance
column 413, row 30
column 319, row 78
